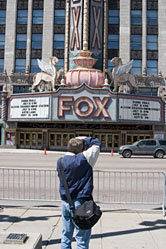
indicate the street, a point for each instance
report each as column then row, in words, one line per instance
column 37, row 159
column 30, row 175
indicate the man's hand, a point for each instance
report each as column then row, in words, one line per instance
column 81, row 137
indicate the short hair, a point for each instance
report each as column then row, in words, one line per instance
column 75, row 145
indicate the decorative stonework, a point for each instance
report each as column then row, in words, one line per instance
column 22, row 4
column 113, row 28
column 38, row 4
column 21, row 28
column 136, row 5
column 152, row 55
column 136, row 29
column 1, row 53
column 37, row 28
column 60, row 4
column 2, row 29
column 84, row 73
column 36, row 53
column 4, row 103
column 20, row 53
column 136, row 54
column 2, row 5
column 59, row 28
column 152, row 29
column 59, row 53
column 152, row 5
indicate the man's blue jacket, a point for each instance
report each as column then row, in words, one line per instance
column 78, row 170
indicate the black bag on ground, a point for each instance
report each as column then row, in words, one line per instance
column 87, row 215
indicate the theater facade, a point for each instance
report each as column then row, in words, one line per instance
column 49, row 120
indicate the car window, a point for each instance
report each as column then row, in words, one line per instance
column 150, row 142
column 142, row 143
column 162, row 142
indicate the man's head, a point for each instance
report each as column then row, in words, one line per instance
column 75, row 145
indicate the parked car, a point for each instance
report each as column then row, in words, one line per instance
column 145, row 147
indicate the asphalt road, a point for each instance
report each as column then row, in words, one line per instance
column 37, row 159
column 113, row 187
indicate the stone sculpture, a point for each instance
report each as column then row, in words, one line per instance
column 121, row 74
column 45, row 80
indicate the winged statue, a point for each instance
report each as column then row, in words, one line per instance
column 121, row 74
column 45, row 67
column 125, row 68
column 49, row 75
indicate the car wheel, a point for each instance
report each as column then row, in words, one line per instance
column 159, row 154
column 126, row 153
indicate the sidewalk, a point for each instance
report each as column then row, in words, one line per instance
column 117, row 229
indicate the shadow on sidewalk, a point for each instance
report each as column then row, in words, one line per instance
column 16, row 219
column 152, row 226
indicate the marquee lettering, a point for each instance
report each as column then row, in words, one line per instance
column 75, row 35
column 62, row 107
column 101, row 104
column 89, row 104
column 95, row 107
column 96, row 35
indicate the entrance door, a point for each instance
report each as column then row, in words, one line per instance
column 130, row 139
column 30, row 140
column 84, row 133
column 109, row 141
column 59, row 140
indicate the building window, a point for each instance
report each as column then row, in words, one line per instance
column 1, row 65
column 136, row 42
column 110, row 65
column 21, row 41
column 20, row 65
column 60, row 64
column 113, row 41
column 152, row 67
column 152, row 17
column 37, row 17
column 2, row 41
column 22, row 16
column 37, row 41
column 152, row 42
column 113, row 17
column 2, row 16
column 59, row 41
column 137, row 67
column 136, row 17
column 59, row 16
column 21, row 89
column 34, row 66
column 148, row 91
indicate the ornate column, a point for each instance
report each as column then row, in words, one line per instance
column 4, row 104
column 105, row 44
column 86, row 25
column 67, row 36
column 48, row 27
column 144, row 34
column 124, row 38
column 161, row 36
column 10, row 35
column 29, row 31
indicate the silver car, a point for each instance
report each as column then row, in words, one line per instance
column 145, row 147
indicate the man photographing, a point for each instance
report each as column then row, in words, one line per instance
column 78, row 165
